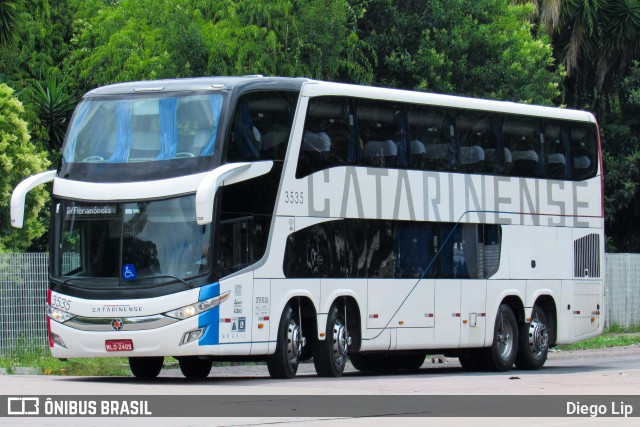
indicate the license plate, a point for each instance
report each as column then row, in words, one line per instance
column 118, row 345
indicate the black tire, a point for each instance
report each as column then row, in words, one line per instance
column 501, row 356
column 146, row 367
column 194, row 367
column 284, row 362
column 330, row 356
column 470, row 359
column 533, row 345
column 370, row 362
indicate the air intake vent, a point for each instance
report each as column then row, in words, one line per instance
column 586, row 256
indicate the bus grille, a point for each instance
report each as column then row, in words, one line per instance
column 586, row 256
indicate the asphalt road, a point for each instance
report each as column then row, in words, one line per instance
column 594, row 372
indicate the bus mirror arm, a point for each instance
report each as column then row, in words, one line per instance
column 229, row 173
column 20, row 192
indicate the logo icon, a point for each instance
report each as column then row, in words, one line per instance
column 117, row 324
column 129, row 272
column 23, row 406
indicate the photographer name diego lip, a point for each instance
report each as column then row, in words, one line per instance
column 619, row 409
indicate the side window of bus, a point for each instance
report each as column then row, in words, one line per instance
column 584, row 150
column 479, row 149
column 431, row 139
column 393, row 249
column 414, row 249
column 261, row 126
column 242, row 241
column 327, row 139
column 556, row 149
column 380, row 134
column 523, row 139
column 462, row 251
column 316, row 251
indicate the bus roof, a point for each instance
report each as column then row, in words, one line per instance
column 319, row 88
column 314, row 88
column 196, row 84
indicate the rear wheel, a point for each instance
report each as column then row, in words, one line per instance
column 330, row 356
column 146, row 367
column 534, row 342
column 502, row 353
column 284, row 362
column 194, row 367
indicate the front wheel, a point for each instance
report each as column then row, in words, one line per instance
column 502, row 353
column 330, row 356
column 534, row 342
column 194, row 367
column 284, row 362
column 146, row 367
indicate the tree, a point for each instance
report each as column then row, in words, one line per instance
column 53, row 105
column 483, row 48
column 596, row 40
column 19, row 158
column 150, row 39
column 621, row 147
column 8, row 21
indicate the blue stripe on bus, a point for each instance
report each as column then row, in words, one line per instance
column 210, row 319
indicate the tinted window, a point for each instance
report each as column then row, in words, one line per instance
column 327, row 139
column 584, row 150
column 380, row 134
column 261, row 126
column 393, row 249
column 431, row 139
column 522, row 139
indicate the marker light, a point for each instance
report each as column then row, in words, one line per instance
column 58, row 315
column 197, row 308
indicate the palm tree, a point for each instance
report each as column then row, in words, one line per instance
column 53, row 105
column 595, row 40
column 8, row 21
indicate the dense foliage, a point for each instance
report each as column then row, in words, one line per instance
column 576, row 53
column 19, row 158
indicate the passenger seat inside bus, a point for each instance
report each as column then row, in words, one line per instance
column 437, row 156
column 418, row 154
column 556, row 165
column 525, row 163
column 472, row 158
column 493, row 165
column 381, row 153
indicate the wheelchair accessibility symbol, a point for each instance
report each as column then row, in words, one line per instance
column 128, row 272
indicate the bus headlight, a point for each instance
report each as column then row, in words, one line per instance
column 197, row 308
column 58, row 315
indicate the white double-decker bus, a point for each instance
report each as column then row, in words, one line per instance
column 282, row 219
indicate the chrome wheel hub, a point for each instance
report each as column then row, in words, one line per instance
column 341, row 342
column 538, row 337
column 295, row 341
column 505, row 339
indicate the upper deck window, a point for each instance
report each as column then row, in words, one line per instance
column 143, row 129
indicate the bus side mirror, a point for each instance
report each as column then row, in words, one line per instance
column 20, row 192
column 225, row 174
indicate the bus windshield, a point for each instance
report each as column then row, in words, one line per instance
column 128, row 244
column 143, row 128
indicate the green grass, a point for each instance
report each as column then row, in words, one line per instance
column 614, row 336
column 76, row 367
